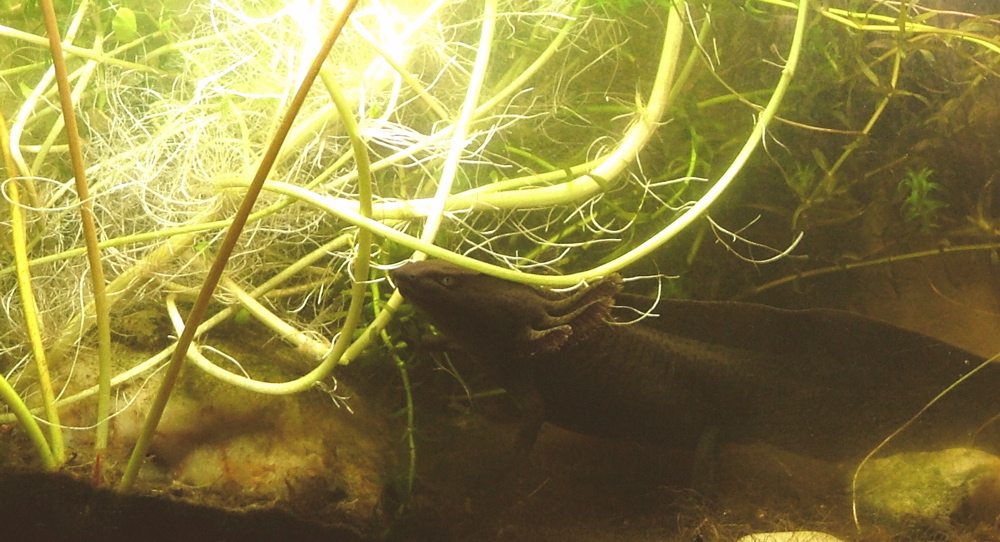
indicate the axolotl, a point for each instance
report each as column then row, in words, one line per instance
column 824, row 383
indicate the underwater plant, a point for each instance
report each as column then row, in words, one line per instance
column 919, row 205
column 257, row 147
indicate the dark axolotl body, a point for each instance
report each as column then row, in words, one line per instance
column 818, row 382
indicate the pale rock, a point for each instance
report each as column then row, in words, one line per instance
column 930, row 488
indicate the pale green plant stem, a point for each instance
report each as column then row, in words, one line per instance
column 362, row 254
column 404, row 377
column 285, row 331
column 411, row 431
column 31, row 102
column 23, row 415
column 225, row 250
column 692, row 61
column 136, row 371
column 85, row 75
column 408, row 209
column 671, row 46
column 297, row 385
column 360, row 270
column 286, row 274
column 388, row 210
column 103, row 58
column 29, row 308
column 459, row 136
column 17, row 70
column 499, row 98
column 351, row 216
column 582, row 188
column 405, row 74
column 858, row 21
column 825, row 188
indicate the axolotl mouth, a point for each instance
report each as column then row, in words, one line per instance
column 414, row 285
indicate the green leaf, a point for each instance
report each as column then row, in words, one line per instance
column 124, row 26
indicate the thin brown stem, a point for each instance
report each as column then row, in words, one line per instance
column 225, row 250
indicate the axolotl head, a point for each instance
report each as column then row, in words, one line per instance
column 486, row 314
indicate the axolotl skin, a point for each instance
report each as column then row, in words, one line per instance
column 823, row 383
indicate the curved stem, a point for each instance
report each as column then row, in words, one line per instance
column 672, row 43
column 515, row 86
column 700, row 206
column 316, row 351
column 461, row 128
column 362, row 258
column 20, row 120
column 23, row 415
column 603, row 175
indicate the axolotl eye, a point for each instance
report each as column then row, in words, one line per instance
column 448, row 281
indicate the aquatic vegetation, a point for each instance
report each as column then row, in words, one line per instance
column 583, row 136
column 920, row 205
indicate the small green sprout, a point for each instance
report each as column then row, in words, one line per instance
column 920, row 207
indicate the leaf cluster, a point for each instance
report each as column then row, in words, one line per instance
column 920, row 205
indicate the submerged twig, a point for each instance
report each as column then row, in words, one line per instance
column 225, row 250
